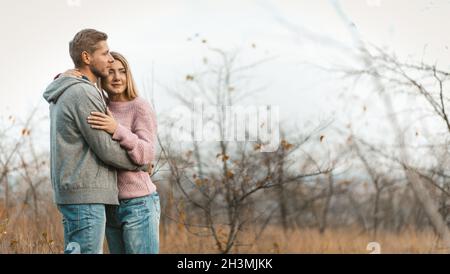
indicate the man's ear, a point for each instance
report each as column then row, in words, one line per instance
column 86, row 57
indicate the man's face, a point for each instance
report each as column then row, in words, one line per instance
column 101, row 60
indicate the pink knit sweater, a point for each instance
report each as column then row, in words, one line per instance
column 136, row 132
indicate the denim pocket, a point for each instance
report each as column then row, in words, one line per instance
column 140, row 203
column 71, row 217
column 133, row 202
column 155, row 196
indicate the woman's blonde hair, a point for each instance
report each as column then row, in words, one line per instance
column 131, row 90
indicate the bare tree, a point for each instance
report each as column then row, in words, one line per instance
column 226, row 182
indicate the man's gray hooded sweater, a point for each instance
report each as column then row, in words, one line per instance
column 83, row 160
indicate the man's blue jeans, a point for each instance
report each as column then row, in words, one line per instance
column 84, row 228
column 133, row 226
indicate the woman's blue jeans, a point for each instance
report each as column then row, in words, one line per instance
column 133, row 226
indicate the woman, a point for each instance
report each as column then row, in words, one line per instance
column 132, row 227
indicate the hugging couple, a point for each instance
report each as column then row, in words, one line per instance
column 102, row 148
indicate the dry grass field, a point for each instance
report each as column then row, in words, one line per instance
column 22, row 234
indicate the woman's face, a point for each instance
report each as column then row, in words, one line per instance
column 116, row 81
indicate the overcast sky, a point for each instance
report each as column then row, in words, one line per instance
column 161, row 35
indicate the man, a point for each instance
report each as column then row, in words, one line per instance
column 83, row 160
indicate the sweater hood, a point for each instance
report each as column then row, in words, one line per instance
column 57, row 87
